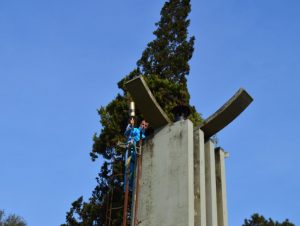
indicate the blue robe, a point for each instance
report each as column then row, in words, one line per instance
column 133, row 136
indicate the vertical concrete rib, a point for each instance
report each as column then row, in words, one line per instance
column 199, row 178
column 221, row 187
column 210, row 185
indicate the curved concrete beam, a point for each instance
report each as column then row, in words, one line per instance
column 226, row 114
column 146, row 102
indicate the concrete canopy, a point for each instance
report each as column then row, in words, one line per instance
column 226, row 114
column 154, row 114
column 146, row 102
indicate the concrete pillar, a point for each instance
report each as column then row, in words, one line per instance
column 167, row 187
column 221, row 187
column 210, row 185
column 199, row 178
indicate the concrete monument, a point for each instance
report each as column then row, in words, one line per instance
column 183, row 180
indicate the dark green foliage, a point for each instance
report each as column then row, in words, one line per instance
column 107, row 194
column 11, row 220
column 113, row 120
column 169, row 94
column 164, row 65
column 258, row 220
column 168, row 55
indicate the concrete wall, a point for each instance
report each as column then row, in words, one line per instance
column 221, row 187
column 210, row 200
column 167, row 189
column 199, row 178
column 210, row 185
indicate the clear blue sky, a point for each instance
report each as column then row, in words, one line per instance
column 61, row 60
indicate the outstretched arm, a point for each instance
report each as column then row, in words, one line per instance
column 128, row 130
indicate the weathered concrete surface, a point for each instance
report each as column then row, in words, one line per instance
column 221, row 187
column 167, row 191
column 210, row 185
column 146, row 102
column 199, row 178
column 226, row 114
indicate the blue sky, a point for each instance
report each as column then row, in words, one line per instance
column 60, row 61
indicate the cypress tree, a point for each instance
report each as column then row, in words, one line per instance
column 164, row 65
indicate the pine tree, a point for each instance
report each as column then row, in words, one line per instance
column 11, row 220
column 164, row 65
column 259, row 220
